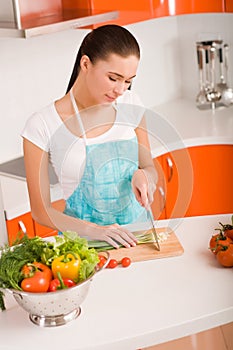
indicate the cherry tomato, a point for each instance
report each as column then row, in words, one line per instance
column 217, row 241
column 102, row 260
column 125, row 262
column 225, row 256
column 229, row 233
column 112, row 264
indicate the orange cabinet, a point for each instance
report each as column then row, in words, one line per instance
column 198, row 181
column 178, row 183
column 130, row 11
column 158, row 205
column 213, row 184
column 16, row 226
column 228, row 5
column 44, row 231
column 179, row 176
column 178, row 7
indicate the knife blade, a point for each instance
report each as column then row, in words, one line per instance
column 155, row 236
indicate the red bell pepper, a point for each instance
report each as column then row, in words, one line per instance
column 37, row 277
column 60, row 283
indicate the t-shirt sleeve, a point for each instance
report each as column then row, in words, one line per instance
column 35, row 131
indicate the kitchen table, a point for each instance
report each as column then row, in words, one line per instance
column 148, row 303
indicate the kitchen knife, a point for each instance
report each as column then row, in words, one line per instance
column 155, row 236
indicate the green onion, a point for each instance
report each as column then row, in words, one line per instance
column 142, row 237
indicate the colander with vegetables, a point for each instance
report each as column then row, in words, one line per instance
column 49, row 279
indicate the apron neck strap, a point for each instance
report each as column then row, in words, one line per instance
column 74, row 104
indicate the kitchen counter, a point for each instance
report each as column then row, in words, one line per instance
column 173, row 125
column 180, row 124
column 148, row 303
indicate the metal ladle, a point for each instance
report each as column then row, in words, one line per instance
column 226, row 91
column 201, row 96
column 213, row 95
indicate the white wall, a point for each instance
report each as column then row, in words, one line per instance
column 35, row 71
column 158, row 77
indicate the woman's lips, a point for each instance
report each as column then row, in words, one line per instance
column 110, row 99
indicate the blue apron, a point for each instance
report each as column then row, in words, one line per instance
column 104, row 195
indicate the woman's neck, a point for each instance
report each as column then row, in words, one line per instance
column 82, row 95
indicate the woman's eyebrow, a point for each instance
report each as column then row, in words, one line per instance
column 121, row 76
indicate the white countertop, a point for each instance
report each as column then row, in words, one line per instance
column 173, row 125
column 181, row 124
column 148, row 303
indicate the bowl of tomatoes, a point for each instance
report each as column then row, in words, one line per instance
column 49, row 279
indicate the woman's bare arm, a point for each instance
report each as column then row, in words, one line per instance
column 145, row 178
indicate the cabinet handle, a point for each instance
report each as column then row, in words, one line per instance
column 163, row 201
column 22, row 227
column 170, row 166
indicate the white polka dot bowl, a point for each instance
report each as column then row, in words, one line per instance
column 53, row 309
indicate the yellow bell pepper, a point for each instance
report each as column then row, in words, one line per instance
column 68, row 265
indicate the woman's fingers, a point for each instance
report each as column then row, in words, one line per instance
column 115, row 234
column 143, row 188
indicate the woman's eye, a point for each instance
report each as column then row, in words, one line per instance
column 112, row 79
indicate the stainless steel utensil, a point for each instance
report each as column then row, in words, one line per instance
column 213, row 95
column 201, row 96
column 227, row 92
column 155, row 236
column 222, row 84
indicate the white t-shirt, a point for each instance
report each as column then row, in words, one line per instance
column 66, row 151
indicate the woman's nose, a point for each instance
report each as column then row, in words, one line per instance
column 119, row 88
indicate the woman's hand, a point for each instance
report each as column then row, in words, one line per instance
column 112, row 234
column 143, row 185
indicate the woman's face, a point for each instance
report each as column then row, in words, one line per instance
column 108, row 79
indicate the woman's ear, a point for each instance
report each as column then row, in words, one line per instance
column 84, row 62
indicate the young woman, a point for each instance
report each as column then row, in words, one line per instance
column 95, row 137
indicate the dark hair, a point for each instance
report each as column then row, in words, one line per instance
column 101, row 42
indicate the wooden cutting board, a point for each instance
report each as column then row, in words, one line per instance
column 168, row 248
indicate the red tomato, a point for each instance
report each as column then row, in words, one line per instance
column 225, row 256
column 102, row 260
column 112, row 264
column 217, row 241
column 60, row 283
column 229, row 233
column 125, row 262
column 227, row 229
